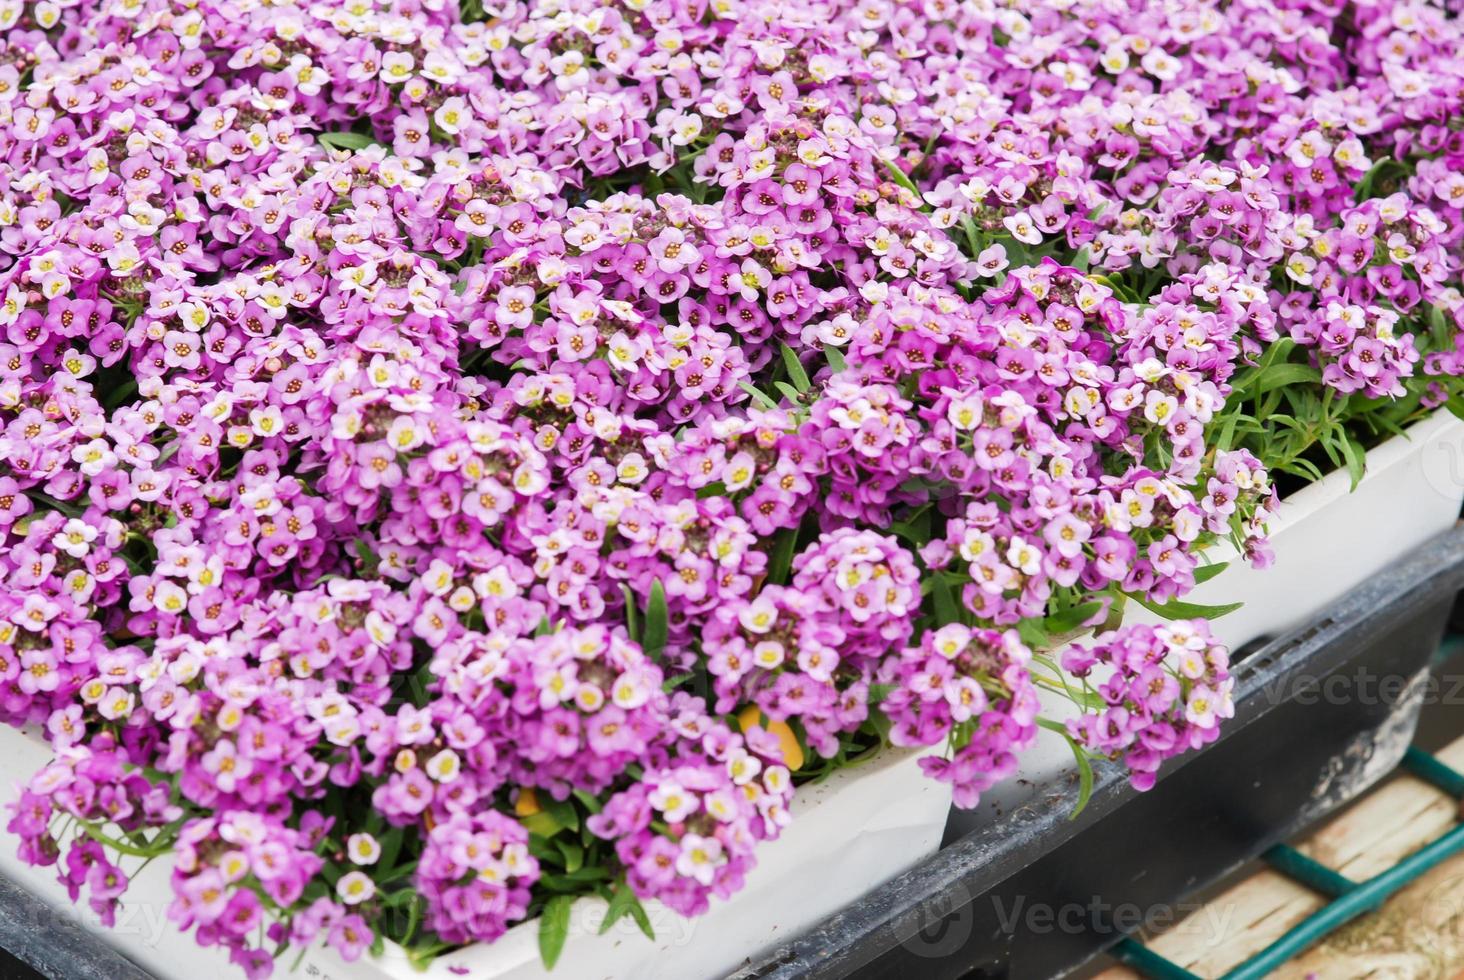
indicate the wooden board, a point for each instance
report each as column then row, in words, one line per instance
column 1417, row 935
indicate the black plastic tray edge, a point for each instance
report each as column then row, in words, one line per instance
column 898, row 910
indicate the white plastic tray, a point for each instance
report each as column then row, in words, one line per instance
column 850, row 833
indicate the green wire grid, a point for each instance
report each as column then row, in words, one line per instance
column 1349, row 899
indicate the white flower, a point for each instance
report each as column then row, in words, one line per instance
column 75, row 537
column 444, row 766
column 355, row 887
column 1022, row 228
column 1023, row 557
column 700, row 858
column 675, row 803
column 768, row 654
column 363, row 848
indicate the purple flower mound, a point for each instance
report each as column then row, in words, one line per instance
column 458, row 457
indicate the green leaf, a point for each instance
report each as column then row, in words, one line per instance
column 542, row 848
column 900, row 177
column 1436, row 318
column 421, row 956
column 70, row 510
column 563, row 811
column 1385, row 169
column 914, row 529
column 403, row 870
column 122, row 847
column 657, row 627
column 391, row 846
column 836, row 359
column 1206, row 572
column 1386, row 424
column 1045, row 634
column 556, row 816
column 1174, row 609
column 1080, row 756
column 414, row 919
column 672, row 683
column 1115, row 614
column 624, row 902
column 1085, row 778
column 121, row 393
column 781, row 559
column 574, row 855
column 632, row 626
column 1224, row 438
column 973, row 237
column 714, row 489
column 400, row 899
column 638, row 913
column 1033, row 635
column 1305, row 469
column 788, row 391
column 1283, row 375
column 1018, row 254
column 1278, row 351
column 554, row 928
column 757, row 396
column 1355, row 456
column 588, row 800
column 541, row 824
column 947, row 609
column 345, row 140
column 1072, row 619
column 795, row 369
column 574, row 882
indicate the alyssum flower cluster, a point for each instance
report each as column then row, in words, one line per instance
column 458, row 456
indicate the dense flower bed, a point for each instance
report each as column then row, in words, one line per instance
column 456, row 458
